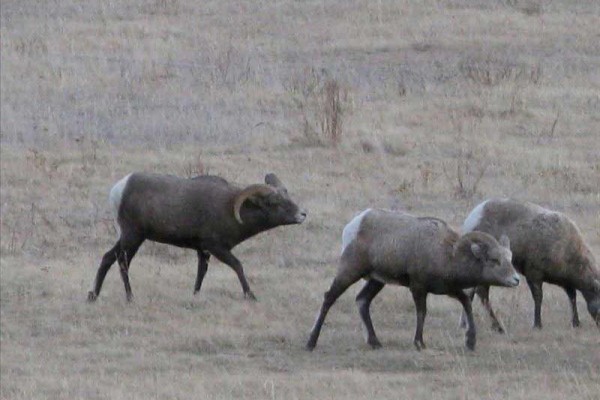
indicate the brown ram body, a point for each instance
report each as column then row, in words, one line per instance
column 546, row 247
column 205, row 213
column 424, row 254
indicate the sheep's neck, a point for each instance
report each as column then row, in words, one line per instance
column 254, row 223
column 463, row 272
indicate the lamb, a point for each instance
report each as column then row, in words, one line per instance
column 547, row 247
column 421, row 253
column 205, row 213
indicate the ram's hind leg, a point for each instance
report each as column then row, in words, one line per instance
column 108, row 260
column 349, row 272
column 129, row 247
column 363, row 301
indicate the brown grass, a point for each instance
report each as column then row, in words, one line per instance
column 437, row 106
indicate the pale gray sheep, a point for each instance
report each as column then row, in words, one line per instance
column 422, row 253
column 546, row 247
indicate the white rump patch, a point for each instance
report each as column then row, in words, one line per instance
column 351, row 229
column 474, row 218
column 115, row 197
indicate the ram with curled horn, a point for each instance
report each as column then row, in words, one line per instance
column 205, row 213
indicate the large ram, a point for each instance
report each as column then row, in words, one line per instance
column 205, row 213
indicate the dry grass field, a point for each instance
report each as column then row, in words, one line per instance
column 426, row 106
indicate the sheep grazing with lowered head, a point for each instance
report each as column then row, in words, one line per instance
column 205, row 213
column 422, row 253
column 546, row 247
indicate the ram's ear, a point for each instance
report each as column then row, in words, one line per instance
column 477, row 251
column 505, row 241
column 272, row 180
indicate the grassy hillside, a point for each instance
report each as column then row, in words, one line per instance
column 427, row 107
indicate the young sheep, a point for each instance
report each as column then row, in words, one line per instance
column 205, row 213
column 546, row 247
column 425, row 255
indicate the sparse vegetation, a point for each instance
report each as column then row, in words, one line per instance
column 470, row 170
column 422, row 96
column 320, row 102
column 527, row 7
column 491, row 71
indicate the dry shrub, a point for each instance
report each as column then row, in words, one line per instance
column 231, row 66
column 88, row 151
column 405, row 187
column 527, row 7
column 547, row 135
column 543, row 134
column 428, row 173
column 568, row 179
column 331, row 118
column 37, row 158
column 492, row 71
column 471, row 161
column 470, row 170
column 395, row 146
column 321, row 101
column 367, row 146
column 163, row 7
column 194, row 168
column 33, row 45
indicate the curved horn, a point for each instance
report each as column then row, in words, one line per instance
column 247, row 193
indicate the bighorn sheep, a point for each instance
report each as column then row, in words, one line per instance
column 205, row 213
column 422, row 253
column 546, row 247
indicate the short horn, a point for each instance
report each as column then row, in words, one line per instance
column 245, row 195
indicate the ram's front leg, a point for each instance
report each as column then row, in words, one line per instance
column 203, row 257
column 226, row 257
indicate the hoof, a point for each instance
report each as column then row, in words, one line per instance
column 375, row 344
column 576, row 324
column 498, row 328
column 310, row 346
column 470, row 343
column 91, row 297
column 420, row 345
column 250, row 296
